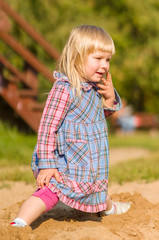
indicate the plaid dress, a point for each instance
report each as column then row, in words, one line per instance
column 73, row 138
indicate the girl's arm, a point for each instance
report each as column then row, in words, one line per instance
column 112, row 100
column 108, row 111
column 55, row 110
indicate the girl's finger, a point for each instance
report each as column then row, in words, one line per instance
column 57, row 177
column 109, row 78
column 47, row 180
column 101, row 86
column 101, row 91
column 40, row 181
column 104, row 81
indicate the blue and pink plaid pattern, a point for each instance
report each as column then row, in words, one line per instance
column 73, row 138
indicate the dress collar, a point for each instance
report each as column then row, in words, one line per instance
column 86, row 86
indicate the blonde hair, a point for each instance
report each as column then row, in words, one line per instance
column 82, row 41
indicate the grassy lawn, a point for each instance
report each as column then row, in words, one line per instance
column 140, row 139
column 15, row 154
column 15, row 148
column 142, row 168
column 16, row 151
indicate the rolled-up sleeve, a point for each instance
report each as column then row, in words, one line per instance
column 55, row 110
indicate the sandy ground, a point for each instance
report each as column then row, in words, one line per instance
column 141, row 222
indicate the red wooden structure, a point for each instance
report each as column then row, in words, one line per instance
column 23, row 101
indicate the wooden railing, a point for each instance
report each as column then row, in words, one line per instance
column 24, row 100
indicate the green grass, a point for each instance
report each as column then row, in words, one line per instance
column 15, row 148
column 141, row 139
column 15, row 154
column 16, row 151
column 140, row 169
column 16, row 174
column 5, row 185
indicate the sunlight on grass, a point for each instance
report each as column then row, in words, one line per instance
column 139, row 169
column 15, row 147
column 5, row 186
column 16, row 150
column 14, row 174
column 141, row 139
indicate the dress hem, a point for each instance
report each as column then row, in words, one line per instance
column 79, row 206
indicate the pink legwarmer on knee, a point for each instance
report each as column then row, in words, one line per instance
column 48, row 197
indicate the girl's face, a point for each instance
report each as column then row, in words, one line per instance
column 97, row 65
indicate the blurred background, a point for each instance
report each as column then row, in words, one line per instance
column 32, row 36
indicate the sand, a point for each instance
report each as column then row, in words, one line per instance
column 141, row 222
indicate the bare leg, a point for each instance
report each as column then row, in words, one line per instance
column 31, row 209
column 109, row 204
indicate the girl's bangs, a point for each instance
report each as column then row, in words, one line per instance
column 99, row 40
column 105, row 45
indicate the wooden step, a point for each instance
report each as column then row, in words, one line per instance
column 21, row 106
column 23, row 101
column 28, row 78
column 13, row 79
column 27, row 93
column 36, row 106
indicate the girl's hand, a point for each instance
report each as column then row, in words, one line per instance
column 45, row 175
column 107, row 90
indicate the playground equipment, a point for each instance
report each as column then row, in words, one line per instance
column 23, row 100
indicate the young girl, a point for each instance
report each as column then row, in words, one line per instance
column 71, row 158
